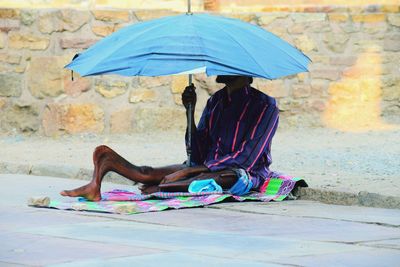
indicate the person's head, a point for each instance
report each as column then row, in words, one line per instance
column 233, row 81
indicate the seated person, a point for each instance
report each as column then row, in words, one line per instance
column 231, row 144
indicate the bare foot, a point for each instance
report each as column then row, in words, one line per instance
column 90, row 191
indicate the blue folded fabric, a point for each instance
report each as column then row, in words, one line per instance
column 243, row 184
column 208, row 185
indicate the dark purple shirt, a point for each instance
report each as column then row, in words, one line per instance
column 236, row 132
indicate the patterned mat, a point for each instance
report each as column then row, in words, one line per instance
column 127, row 202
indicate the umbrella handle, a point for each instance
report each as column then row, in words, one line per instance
column 189, row 124
column 189, row 146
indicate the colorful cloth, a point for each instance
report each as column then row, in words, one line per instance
column 235, row 131
column 127, row 202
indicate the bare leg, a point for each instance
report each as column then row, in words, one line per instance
column 105, row 159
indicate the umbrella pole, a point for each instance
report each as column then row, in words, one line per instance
column 189, row 123
column 189, row 7
column 189, row 115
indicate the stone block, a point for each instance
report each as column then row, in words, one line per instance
column 7, row 25
column 305, row 44
column 394, row 19
column 318, row 105
column 319, row 58
column 351, row 27
column 20, row 69
column 390, row 80
column 391, row 93
column 301, row 90
column 62, row 20
column 3, row 39
column 103, row 30
column 28, row 17
column 10, row 85
column 46, row 83
column 10, row 58
column 211, row 5
column 303, row 76
column 29, row 41
column 336, row 42
column 281, row 32
column 246, row 17
column 159, row 118
column 275, row 88
column 72, row 119
column 276, row 8
column 392, row 42
column 77, row 86
column 319, row 88
column 297, row 28
column 76, row 43
column 143, row 15
column 121, row 121
column 20, row 116
column 112, row 15
column 142, row 95
column 179, row 84
column 338, row 17
column 308, row 17
column 266, row 19
column 110, row 89
column 178, row 99
column 325, row 73
column 3, row 103
column 368, row 18
column 8, row 13
column 390, row 8
column 318, row 27
column 342, row 60
column 152, row 82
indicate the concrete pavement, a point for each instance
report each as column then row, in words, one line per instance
column 290, row 233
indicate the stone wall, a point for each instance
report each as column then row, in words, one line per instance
column 353, row 81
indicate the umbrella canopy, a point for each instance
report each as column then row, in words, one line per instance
column 189, row 44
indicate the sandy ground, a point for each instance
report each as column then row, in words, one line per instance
column 350, row 162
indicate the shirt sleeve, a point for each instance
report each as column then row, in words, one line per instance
column 256, row 142
column 200, row 138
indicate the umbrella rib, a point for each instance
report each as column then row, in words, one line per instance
column 299, row 63
column 283, row 50
column 247, row 52
column 155, row 53
column 124, row 43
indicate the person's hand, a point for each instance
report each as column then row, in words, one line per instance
column 176, row 176
column 189, row 96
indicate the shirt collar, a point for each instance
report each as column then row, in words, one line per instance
column 239, row 94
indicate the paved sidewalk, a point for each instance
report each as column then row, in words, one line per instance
column 290, row 233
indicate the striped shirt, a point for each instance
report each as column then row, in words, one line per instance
column 236, row 132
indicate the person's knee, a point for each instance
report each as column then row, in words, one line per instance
column 146, row 169
column 101, row 149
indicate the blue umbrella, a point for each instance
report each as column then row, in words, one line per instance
column 189, row 44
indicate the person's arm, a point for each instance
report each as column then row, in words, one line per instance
column 184, row 173
column 200, row 135
column 256, row 142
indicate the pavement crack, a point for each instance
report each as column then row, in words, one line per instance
column 308, row 217
column 365, row 243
